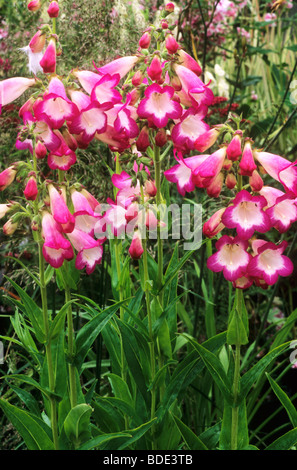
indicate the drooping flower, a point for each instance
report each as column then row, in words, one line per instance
column 56, row 247
column 269, row 262
column 120, row 66
column 214, row 224
column 89, row 250
column 13, row 88
column 246, row 214
column 183, row 173
column 231, row 258
column 154, row 70
column 279, row 168
column 59, row 210
column 136, row 248
column 31, row 190
column 158, row 106
column 247, row 164
column 191, row 126
column 48, row 61
column 234, row 148
column 194, row 92
column 281, row 208
column 7, row 176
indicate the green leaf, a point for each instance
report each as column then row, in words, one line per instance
column 285, row 442
column 120, row 388
column 216, row 370
column 99, row 441
column 77, row 424
column 285, row 401
column 192, row 441
column 136, row 434
column 58, row 322
column 237, row 332
column 89, row 332
column 253, row 374
column 32, row 429
column 32, row 310
column 242, row 428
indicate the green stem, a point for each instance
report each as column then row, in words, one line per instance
column 158, row 201
column 51, row 377
column 71, row 350
column 236, row 379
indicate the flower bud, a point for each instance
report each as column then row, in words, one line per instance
column 53, row 10
column 136, row 249
column 31, row 190
column 171, row 45
column 143, row 141
column 145, row 40
column 161, row 138
column 150, row 188
column 10, row 227
column 214, row 225
column 256, row 182
column 234, row 147
column 169, row 7
column 137, row 78
column 40, row 150
column 48, row 61
column 7, row 177
column 37, row 42
column 155, row 69
column 231, row 181
column 34, row 5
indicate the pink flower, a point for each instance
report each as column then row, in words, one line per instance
column 31, row 189
column 55, row 105
column 183, row 173
column 171, row 45
column 56, row 247
column 282, row 212
column 34, row 5
column 13, row 88
column 194, row 92
column 191, row 126
column 48, row 61
column 256, row 182
column 42, row 131
column 269, row 262
column 89, row 250
column 207, row 139
column 59, row 210
column 145, row 40
column 7, row 176
column 280, row 169
column 37, row 42
column 158, row 106
column 85, row 217
column 62, row 158
column 231, row 258
column 136, row 248
column 120, row 66
column 104, row 90
column 89, row 121
column 186, row 60
column 247, row 215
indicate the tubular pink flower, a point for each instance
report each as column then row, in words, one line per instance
column 283, row 213
column 89, row 121
column 206, row 140
column 31, row 189
column 124, row 123
column 234, row 148
column 214, row 225
column 231, row 181
column 42, row 132
column 280, row 169
column 256, row 182
column 136, row 248
column 55, row 105
column 191, row 126
column 211, row 166
column 187, row 61
column 247, row 164
column 10, row 227
column 48, row 61
column 269, row 263
column 104, row 90
column 60, row 211
column 115, row 217
column 89, row 258
column 7, row 176
column 85, row 217
column 13, row 88
column 183, row 173
column 62, row 158
column 158, row 106
column 215, row 185
column 56, row 247
column 40, row 150
column 143, row 141
column 231, row 258
column 120, row 66
column 247, row 215
column 243, row 282
column 194, row 92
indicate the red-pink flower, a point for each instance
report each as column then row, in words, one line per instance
column 62, row 158
column 207, row 139
column 59, row 210
column 56, row 247
column 247, row 215
column 194, row 92
column 154, row 70
column 158, row 106
column 37, row 42
column 231, row 258
column 171, row 45
column 89, row 121
column 187, row 61
column 247, row 164
column 34, row 5
column 89, row 250
column 104, row 90
column 53, row 10
column 269, row 262
column 120, row 66
column 191, row 126
column 280, row 169
column 234, row 148
column 145, row 40
column 214, row 224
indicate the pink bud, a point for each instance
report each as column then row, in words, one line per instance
column 164, row 24
column 256, row 182
column 234, row 148
column 143, row 141
column 214, row 225
column 171, row 45
column 145, row 40
column 137, row 78
column 247, row 164
column 48, row 61
column 155, row 70
column 40, row 150
column 231, row 181
column 37, row 42
column 161, row 138
column 10, row 227
column 53, row 10
column 150, row 188
column 7, row 177
column 136, row 248
column 31, row 189
column 176, row 83
column 34, row 5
